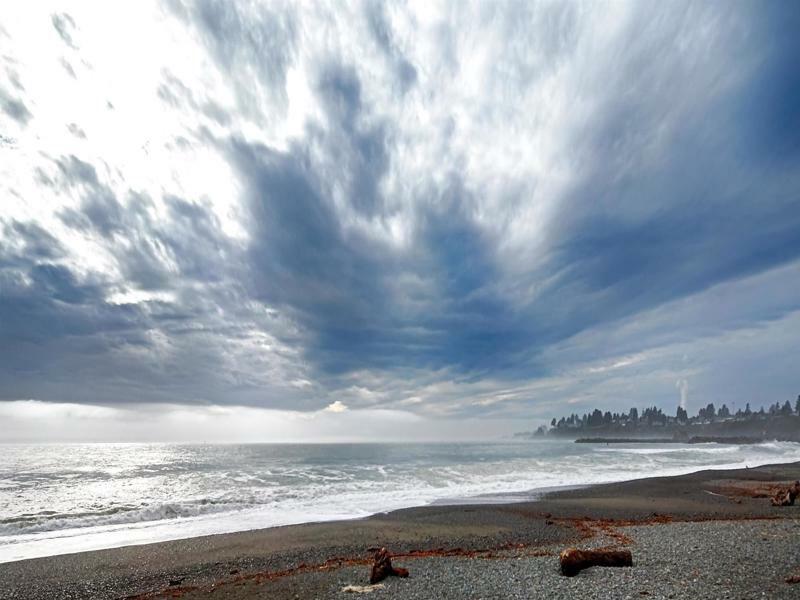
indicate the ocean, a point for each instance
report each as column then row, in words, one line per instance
column 61, row 498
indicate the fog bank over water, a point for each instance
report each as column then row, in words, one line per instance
column 33, row 421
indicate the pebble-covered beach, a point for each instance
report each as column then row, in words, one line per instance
column 711, row 534
column 713, row 560
column 680, row 560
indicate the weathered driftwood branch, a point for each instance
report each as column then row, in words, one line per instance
column 382, row 567
column 787, row 497
column 573, row 561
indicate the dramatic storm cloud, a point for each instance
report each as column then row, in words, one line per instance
column 431, row 210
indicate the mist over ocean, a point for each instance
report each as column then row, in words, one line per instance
column 57, row 499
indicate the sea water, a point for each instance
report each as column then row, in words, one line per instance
column 56, row 499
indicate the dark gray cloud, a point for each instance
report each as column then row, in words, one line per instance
column 176, row 94
column 31, row 241
column 171, row 321
column 629, row 237
column 14, row 108
column 364, row 145
column 75, row 130
column 638, row 232
column 250, row 43
column 65, row 26
column 14, row 78
column 42, row 300
column 63, row 339
column 380, row 28
column 768, row 109
column 341, row 285
column 331, row 280
column 150, row 252
column 660, row 180
column 67, row 66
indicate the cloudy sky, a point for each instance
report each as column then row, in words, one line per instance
column 367, row 220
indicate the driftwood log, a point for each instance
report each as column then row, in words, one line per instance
column 788, row 496
column 573, row 561
column 382, row 567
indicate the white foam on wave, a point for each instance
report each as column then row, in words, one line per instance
column 696, row 448
column 44, row 522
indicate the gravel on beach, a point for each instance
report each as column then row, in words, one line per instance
column 677, row 560
column 701, row 560
column 711, row 534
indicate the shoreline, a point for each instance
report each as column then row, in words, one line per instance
column 493, row 499
column 696, row 439
column 527, row 496
column 135, row 532
column 279, row 556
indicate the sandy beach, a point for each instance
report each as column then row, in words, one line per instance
column 711, row 534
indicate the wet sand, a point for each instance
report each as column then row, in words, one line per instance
column 713, row 528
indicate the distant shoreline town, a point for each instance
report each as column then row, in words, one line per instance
column 776, row 422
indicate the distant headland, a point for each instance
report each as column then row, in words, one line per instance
column 711, row 424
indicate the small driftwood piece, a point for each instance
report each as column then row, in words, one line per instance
column 382, row 567
column 362, row 589
column 573, row 561
column 788, row 496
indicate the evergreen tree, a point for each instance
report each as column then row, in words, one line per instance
column 797, row 406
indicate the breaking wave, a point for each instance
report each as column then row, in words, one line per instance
column 56, row 499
